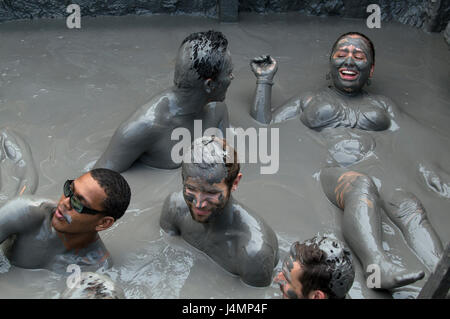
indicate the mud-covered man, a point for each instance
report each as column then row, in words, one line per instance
column 47, row 235
column 319, row 268
column 203, row 72
column 207, row 216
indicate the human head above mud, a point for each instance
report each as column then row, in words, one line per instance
column 210, row 172
column 93, row 285
column 352, row 62
column 204, row 62
column 92, row 202
column 319, row 268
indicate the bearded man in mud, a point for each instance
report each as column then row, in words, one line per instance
column 50, row 235
column 207, row 216
column 203, row 72
column 333, row 112
column 319, row 268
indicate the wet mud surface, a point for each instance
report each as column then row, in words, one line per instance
column 66, row 91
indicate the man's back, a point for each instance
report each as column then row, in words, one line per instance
column 146, row 134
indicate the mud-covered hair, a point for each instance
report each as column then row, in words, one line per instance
column 326, row 266
column 366, row 38
column 201, row 56
column 212, row 152
column 117, row 191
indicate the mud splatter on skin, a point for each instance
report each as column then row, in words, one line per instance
column 68, row 218
column 208, row 51
column 205, row 192
column 351, row 53
column 288, row 265
column 94, row 286
column 338, row 257
column 150, row 71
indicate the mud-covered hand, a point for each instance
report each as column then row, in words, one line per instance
column 264, row 67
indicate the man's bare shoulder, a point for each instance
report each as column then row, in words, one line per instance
column 174, row 209
column 156, row 111
column 260, row 247
column 176, row 203
column 22, row 214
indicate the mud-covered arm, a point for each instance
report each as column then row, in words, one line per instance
column 264, row 67
column 217, row 116
column 18, row 174
column 170, row 210
column 128, row 143
column 22, row 214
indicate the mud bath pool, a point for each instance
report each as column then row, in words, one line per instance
column 66, row 91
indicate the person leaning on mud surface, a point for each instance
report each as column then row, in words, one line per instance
column 207, row 216
column 51, row 235
column 203, row 72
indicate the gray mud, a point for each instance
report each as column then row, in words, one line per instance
column 66, row 91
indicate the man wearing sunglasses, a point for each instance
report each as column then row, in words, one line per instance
column 53, row 236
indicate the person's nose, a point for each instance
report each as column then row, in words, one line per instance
column 66, row 203
column 349, row 61
column 232, row 76
column 200, row 201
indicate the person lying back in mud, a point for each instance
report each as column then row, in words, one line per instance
column 318, row 268
column 344, row 103
column 203, row 72
column 53, row 235
column 207, row 216
column 346, row 106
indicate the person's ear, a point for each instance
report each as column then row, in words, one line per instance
column 208, row 85
column 236, row 182
column 104, row 223
column 317, row 294
column 372, row 68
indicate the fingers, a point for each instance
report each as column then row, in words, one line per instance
column 263, row 59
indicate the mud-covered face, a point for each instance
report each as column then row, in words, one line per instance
column 204, row 199
column 289, row 279
column 220, row 85
column 351, row 64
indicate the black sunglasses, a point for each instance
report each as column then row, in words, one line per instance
column 75, row 201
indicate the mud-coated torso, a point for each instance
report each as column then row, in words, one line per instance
column 242, row 244
column 330, row 108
